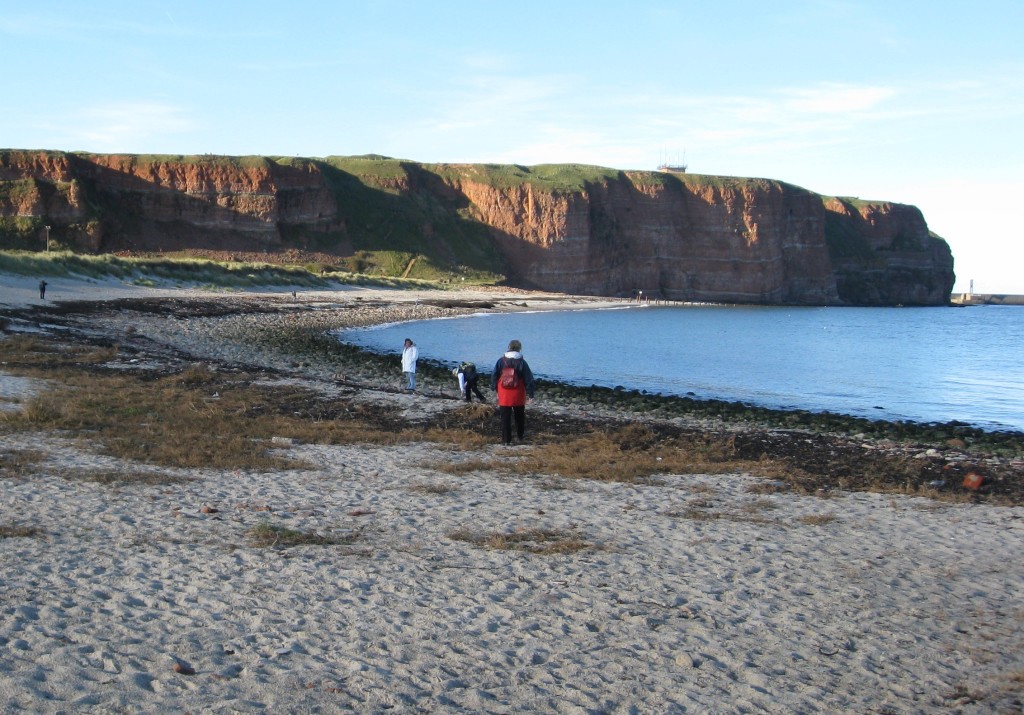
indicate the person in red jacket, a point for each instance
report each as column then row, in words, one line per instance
column 512, row 379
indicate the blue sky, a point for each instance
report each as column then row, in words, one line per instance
column 912, row 102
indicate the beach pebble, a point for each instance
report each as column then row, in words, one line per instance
column 687, row 660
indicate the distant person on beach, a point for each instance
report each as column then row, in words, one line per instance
column 513, row 381
column 468, row 377
column 42, row 290
column 409, row 356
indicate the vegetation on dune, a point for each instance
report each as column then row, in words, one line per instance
column 195, row 417
column 191, row 420
column 267, row 535
column 541, row 542
column 200, row 418
column 187, row 269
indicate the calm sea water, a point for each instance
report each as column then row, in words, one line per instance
column 919, row 364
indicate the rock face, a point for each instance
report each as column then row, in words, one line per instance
column 744, row 241
column 113, row 203
column 560, row 228
column 883, row 254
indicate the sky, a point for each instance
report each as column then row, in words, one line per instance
column 914, row 102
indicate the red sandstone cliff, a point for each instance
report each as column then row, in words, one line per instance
column 884, row 254
column 122, row 202
column 679, row 237
column 752, row 241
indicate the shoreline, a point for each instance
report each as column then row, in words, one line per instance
column 689, row 592
column 277, row 330
column 394, row 305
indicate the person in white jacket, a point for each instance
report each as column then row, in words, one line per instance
column 409, row 355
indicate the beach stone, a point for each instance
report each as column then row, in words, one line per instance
column 687, row 660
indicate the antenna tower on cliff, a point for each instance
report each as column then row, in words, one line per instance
column 678, row 166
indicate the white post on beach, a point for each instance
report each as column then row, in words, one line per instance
column 47, row 239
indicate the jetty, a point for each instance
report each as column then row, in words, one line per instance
column 986, row 299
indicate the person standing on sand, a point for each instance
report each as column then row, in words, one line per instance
column 513, row 381
column 42, row 290
column 409, row 356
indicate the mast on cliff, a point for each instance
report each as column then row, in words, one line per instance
column 679, row 167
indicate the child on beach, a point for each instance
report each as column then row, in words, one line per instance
column 468, row 377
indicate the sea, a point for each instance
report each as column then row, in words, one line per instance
column 926, row 365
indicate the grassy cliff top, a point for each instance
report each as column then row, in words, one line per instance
column 375, row 168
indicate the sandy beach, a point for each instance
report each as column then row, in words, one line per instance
column 689, row 593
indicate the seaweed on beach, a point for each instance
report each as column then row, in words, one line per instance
column 813, row 453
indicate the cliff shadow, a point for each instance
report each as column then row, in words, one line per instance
column 139, row 213
column 415, row 213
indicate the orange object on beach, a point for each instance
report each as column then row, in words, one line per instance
column 973, row 480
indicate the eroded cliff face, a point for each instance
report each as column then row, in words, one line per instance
column 884, row 254
column 679, row 237
column 113, row 203
column 751, row 242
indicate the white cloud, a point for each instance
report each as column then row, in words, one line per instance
column 490, row 112
column 130, row 126
column 831, row 99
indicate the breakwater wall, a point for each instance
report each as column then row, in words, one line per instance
column 986, row 299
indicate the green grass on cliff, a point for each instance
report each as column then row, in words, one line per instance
column 146, row 160
column 392, row 205
column 853, row 202
column 371, row 169
column 377, row 170
column 845, row 238
column 17, row 190
column 544, row 177
column 23, row 229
